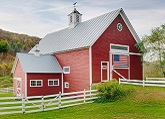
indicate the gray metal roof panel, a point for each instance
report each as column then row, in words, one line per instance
column 83, row 35
column 39, row 64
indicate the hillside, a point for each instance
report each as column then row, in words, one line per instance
column 10, row 43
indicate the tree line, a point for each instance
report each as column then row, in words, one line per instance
column 10, row 44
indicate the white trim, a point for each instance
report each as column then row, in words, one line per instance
column 68, row 68
column 90, row 66
column 66, row 83
column 53, row 82
column 129, row 68
column 107, row 71
column 36, row 82
column 119, row 51
column 133, row 53
column 111, row 68
column 62, row 83
column 15, row 64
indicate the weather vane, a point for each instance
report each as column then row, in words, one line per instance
column 74, row 4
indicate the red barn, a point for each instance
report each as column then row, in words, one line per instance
column 93, row 51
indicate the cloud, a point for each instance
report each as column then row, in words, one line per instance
column 39, row 17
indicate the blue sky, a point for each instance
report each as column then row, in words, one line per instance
column 40, row 17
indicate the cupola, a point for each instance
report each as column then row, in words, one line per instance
column 74, row 17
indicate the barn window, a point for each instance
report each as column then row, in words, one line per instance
column 66, row 69
column 77, row 18
column 119, row 26
column 118, row 47
column 35, row 83
column 53, row 82
column 66, row 85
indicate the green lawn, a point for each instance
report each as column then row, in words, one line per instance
column 142, row 103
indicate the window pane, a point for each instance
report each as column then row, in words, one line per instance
column 56, row 82
column 119, row 47
column 50, row 83
column 38, row 83
column 66, row 69
column 33, row 83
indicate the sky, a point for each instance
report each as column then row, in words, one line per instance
column 40, row 17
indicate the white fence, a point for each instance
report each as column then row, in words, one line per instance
column 147, row 82
column 6, row 90
column 12, row 105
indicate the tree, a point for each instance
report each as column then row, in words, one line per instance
column 153, row 47
column 4, row 46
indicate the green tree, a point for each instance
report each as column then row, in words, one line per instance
column 4, row 46
column 153, row 47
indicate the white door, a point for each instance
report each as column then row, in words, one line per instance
column 104, row 71
column 18, row 87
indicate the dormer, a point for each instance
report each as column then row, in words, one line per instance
column 74, row 18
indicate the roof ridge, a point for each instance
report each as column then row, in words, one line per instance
column 87, row 20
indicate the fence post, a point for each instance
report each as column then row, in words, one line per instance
column 90, row 91
column 23, row 105
column 7, row 89
column 84, row 95
column 143, row 83
column 119, row 81
column 59, row 101
column 42, row 104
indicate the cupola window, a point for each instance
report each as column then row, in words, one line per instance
column 77, row 18
column 70, row 19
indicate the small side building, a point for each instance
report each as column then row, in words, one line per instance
column 36, row 75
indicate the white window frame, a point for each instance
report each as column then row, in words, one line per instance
column 64, row 69
column 66, row 83
column 36, row 82
column 53, row 82
column 119, row 51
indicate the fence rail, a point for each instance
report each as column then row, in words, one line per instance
column 149, row 82
column 12, row 105
column 6, row 90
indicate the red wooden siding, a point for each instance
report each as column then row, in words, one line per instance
column 136, row 67
column 45, row 89
column 79, row 69
column 101, row 48
column 19, row 73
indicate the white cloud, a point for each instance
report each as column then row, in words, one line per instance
column 41, row 17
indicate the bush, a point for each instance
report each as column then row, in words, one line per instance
column 110, row 91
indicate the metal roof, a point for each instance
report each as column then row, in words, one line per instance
column 83, row 35
column 39, row 64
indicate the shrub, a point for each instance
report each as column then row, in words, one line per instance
column 110, row 91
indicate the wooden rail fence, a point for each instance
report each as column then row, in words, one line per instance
column 148, row 82
column 13, row 105
column 6, row 90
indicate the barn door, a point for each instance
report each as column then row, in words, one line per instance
column 18, row 86
column 104, row 71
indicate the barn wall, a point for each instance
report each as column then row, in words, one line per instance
column 78, row 61
column 101, row 48
column 45, row 89
column 19, row 73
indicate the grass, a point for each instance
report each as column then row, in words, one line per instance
column 6, row 95
column 142, row 103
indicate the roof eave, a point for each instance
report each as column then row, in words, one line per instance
column 69, row 50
